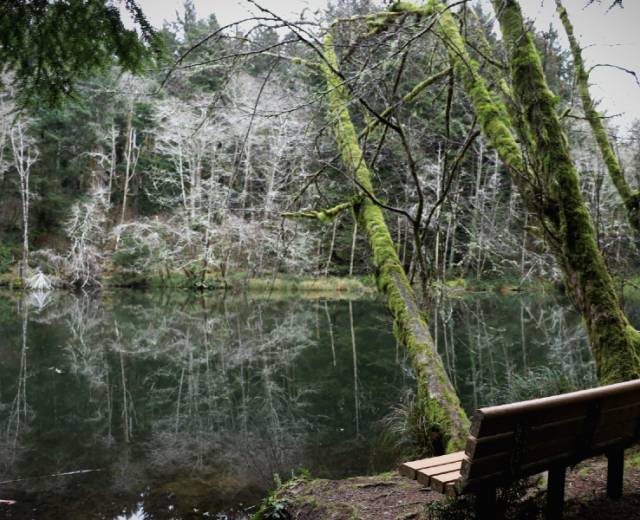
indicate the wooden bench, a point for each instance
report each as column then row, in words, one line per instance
column 518, row 440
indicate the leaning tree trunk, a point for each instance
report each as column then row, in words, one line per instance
column 439, row 404
column 550, row 186
column 614, row 341
column 630, row 197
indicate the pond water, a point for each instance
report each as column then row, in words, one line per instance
column 127, row 405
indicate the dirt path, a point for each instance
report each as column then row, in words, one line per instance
column 389, row 496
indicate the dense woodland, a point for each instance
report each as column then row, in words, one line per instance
column 187, row 168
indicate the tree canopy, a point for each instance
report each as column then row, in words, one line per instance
column 45, row 46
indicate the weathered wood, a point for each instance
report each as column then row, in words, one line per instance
column 615, row 473
column 523, row 439
column 504, row 418
column 610, row 426
column 555, row 492
column 439, row 482
column 424, row 475
column 409, row 469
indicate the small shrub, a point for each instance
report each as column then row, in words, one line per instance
column 6, row 258
column 408, row 431
column 541, row 382
column 276, row 505
column 131, row 262
column 273, row 508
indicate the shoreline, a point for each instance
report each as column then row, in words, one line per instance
column 388, row 495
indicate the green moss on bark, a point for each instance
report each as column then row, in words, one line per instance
column 552, row 193
column 614, row 342
column 437, row 397
column 616, row 172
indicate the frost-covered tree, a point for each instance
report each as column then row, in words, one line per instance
column 25, row 154
column 86, row 229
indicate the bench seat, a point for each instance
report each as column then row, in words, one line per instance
column 517, row 440
column 435, row 472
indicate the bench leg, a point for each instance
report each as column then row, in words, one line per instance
column 615, row 473
column 486, row 504
column 555, row 493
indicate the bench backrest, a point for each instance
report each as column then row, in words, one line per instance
column 521, row 439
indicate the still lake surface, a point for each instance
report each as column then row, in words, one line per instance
column 170, row 405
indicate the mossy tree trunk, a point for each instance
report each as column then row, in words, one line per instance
column 630, row 197
column 614, row 341
column 549, row 186
column 437, row 398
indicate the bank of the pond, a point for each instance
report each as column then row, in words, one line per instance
column 278, row 282
column 390, row 496
column 508, row 284
column 213, row 281
column 283, row 283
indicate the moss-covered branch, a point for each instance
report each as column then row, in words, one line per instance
column 550, row 187
column 614, row 341
column 323, row 215
column 437, row 397
column 408, row 97
column 630, row 198
column 491, row 111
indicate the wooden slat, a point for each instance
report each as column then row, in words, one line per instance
column 567, row 439
column 621, row 422
column 409, row 469
column 424, row 475
column 504, row 418
column 451, row 489
column 503, row 442
column 547, row 433
column 501, row 463
column 501, row 423
column 439, row 482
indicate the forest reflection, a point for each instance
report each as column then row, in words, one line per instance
column 502, row 348
column 166, row 403
column 193, row 402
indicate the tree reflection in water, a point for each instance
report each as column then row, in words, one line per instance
column 502, row 348
column 186, row 402
column 170, row 402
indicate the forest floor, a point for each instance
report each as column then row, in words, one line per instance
column 389, row 496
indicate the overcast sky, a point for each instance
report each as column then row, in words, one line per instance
column 609, row 37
